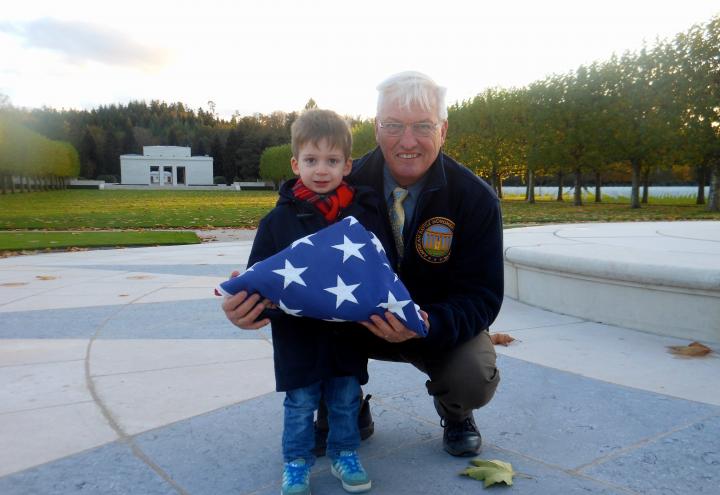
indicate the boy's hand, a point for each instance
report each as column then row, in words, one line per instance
column 242, row 311
column 391, row 329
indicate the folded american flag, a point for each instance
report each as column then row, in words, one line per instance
column 339, row 273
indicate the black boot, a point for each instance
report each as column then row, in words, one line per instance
column 461, row 438
column 365, row 424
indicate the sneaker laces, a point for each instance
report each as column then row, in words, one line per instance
column 295, row 473
column 349, row 462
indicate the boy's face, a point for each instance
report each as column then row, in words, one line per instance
column 321, row 167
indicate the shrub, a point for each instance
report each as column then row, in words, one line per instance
column 275, row 163
column 219, row 179
column 110, row 179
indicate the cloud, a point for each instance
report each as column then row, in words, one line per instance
column 84, row 42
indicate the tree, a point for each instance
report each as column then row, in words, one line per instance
column 217, row 152
column 89, row 157
column 363, row 134
column 231, row 145
column 275, row 164
column 110, row 164
column 129, row 143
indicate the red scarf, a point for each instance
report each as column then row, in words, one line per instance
column 330, row 205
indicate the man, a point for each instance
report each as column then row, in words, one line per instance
column 448, row 232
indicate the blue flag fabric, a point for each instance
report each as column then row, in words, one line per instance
column 340, row 273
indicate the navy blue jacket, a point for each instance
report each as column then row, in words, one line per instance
column 461, row 289
column 308, row 350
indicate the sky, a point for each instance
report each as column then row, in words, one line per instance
column 274, row 55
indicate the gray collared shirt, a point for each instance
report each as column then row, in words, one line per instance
column 410, row 202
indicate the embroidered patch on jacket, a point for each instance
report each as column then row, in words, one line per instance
column 434, row 238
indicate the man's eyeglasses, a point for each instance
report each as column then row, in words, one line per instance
column 419, row 129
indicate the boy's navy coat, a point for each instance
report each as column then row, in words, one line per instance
column 307, row 350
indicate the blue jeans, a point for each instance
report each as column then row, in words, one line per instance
column 342, row 397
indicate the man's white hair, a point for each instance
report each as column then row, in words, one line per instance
column 412, row 88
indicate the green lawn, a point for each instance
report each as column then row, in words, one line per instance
column 93, row 209
column 517, row 211
column 33, row 240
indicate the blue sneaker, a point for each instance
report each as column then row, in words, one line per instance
column 347, row 468
column 296, row 478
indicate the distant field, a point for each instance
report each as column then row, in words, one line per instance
column 34, row 240
column 93, row 209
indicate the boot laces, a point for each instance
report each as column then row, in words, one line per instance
column 455, row 428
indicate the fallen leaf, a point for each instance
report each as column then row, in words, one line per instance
column 501, row 339
column 45, row 277
column 693, row 349
column 490, row 471
column 139, row 277
column 123, row 295
column 13, row 284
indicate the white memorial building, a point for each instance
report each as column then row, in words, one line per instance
column 166, row 166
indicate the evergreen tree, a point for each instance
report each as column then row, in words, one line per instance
column 229, row 167
column 129, row 143
column 88, row 156
column 110, row 164
column 217, row 151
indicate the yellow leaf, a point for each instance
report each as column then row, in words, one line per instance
column 693, row 349
column 490, row 472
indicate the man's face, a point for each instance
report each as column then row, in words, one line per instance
column 411, row 153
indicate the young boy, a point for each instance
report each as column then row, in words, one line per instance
column 315, row 358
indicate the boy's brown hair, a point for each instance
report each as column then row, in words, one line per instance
column 315, row 125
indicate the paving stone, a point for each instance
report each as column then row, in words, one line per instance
column 108, row 470
column 72, row 323
column 684, row 461
column 233, row 450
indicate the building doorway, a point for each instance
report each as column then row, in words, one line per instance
column 180, row 177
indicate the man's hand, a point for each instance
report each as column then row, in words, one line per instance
column 242, row 311
column 391, row 329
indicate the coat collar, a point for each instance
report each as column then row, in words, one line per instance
column 369, row 170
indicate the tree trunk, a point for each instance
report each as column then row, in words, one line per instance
column 530, row 186
column 3, row 179
column 635, row 192
column 497, row 183
column 702, row 177
column 646, row 186
column 598, row 187
column 714, row 199
column 578, row 188
column 560, row 186
column 12, row 183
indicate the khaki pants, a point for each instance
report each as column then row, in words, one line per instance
column 461, row 380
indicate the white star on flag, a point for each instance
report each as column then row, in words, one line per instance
column 377, row 243
column 394, row 306
column 309, row 278
column 394, row 274
column 343, row 292
column 303, row 240
column 291, row 274
column 291, row 312
column 349, row 249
